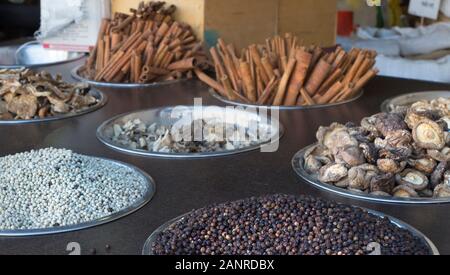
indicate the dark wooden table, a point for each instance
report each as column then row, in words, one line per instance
column 184, row 185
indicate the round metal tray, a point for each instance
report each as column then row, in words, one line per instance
column 102, row 100
column 409, row 99
column 298, row 164
column 284, row 108
column 78, row 77
column 163, row 116
column 148, row 251
column 151, row 189
column 33, row 54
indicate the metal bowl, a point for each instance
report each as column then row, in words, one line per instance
column 148, row 251
column 409, row 99
column 78, row 77
column 298, row 164
column 151, row 189
column 102, row 100
column 33, row 54
column 163, row 116
column 283, row 108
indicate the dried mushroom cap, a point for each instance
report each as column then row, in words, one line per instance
column 350, row 155
column 368, row 124
column 312, row 164
column 404, row 191
column 438, row 175
column 334, row 137
column 387, row 123
column 442, row 155
column 424, row 165
column 24, row 106
column 428, row 134
column 419, row 111
column 442, row 191
column 382, row 183
column 412, row 178
column 390, row 166
column 332, row 173
column 360, row 177
column 370, row 152
column 343, row 183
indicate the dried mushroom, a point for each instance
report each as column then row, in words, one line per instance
column 335, row 137
column 382, row 183
column 350, row 155
column 404, row 191
column 442, row 191
column 429, row 135
column 387, row 123
column 412, row 178
column 390, row 166
column 442, row 155
column 424, row 165
column 401, row 154
column 332, row 173
column 360, row 177
column 25, row 94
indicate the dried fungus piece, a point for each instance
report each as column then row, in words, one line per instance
column 335, row 137
column 404, row 191
column 429, row 135
column 442, row 155
column 386, row 123
column 333, row 173
column 438, row 175
column 23, row 106
column 382, row 183
column 360, row 177
column 442, row 191
column 424, row 165
column 413, row 179
column 390, row 166
column 350, row 155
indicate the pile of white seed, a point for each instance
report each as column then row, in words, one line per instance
column 51, row 188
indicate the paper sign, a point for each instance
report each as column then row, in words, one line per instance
column 80, row 36
column 425, row 8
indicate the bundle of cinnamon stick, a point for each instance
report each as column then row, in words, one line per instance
column 144, row 47
column 282, row 72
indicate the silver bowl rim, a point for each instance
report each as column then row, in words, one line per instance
column 77, row 77
column 298, row 166
column 18, row 66
column 147, row 248
column 284, row 108
column 137, row 205
column 103, row 100
column 105, row 140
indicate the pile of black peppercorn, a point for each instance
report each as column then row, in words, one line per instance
column 285, row 225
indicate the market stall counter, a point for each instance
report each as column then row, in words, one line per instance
column 187, row 184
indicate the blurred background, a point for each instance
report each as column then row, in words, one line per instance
column 18, row 18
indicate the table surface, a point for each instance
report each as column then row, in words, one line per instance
column 184, row 185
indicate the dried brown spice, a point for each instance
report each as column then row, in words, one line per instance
column 400, row 154
column 25, row 94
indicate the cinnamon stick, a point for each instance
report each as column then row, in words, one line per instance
column 279, row 98
column 318, row 75
column 298, row 78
